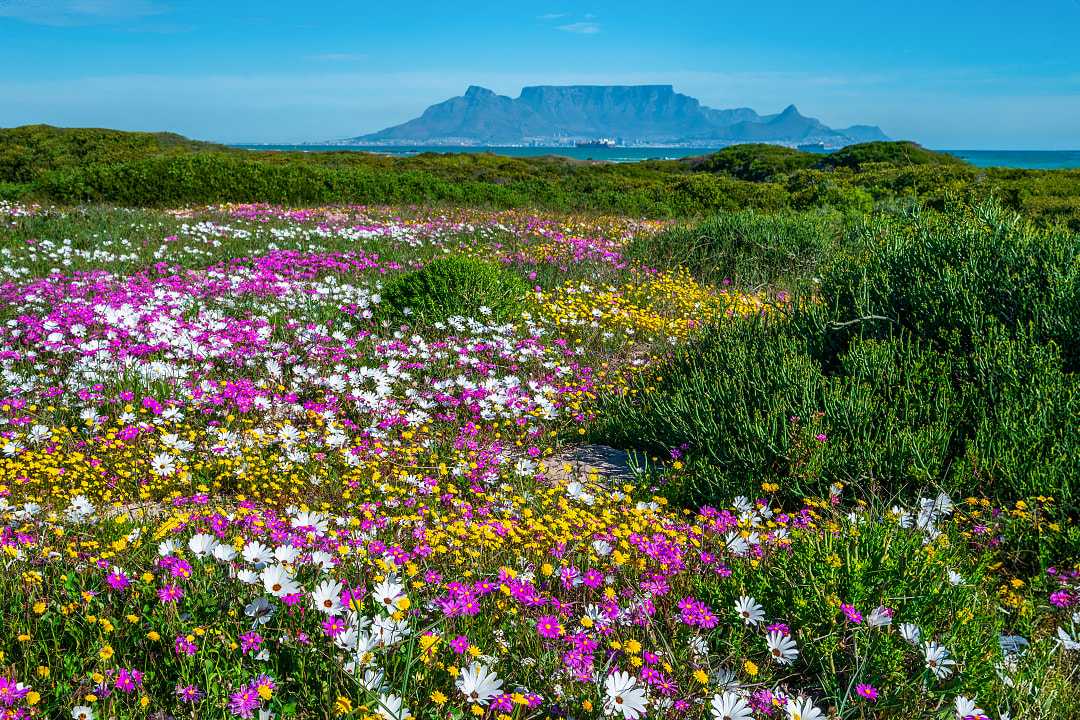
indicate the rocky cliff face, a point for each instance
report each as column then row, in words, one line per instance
column 637, row 114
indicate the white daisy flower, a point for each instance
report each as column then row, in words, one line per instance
column 478, row 684
column 624, row 696
column 730, row 706
column 782, row 648
column 749, row 610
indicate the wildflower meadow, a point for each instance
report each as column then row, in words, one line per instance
column 260, row 461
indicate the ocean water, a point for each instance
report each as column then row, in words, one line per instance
column 1033, row 159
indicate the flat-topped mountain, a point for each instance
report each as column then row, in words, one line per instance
column 632, row 114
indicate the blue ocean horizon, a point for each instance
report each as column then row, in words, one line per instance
column 1020, row 159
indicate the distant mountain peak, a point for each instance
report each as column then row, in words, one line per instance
column 634, row 114
column 475, row 91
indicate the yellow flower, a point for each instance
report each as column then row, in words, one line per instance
column 701, row 676
column 39, row 607
column 438, row 698
column 750, row 668
column 32, row 698
column 342, row 706
column 106, row 652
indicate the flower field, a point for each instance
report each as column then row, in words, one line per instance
column 235, row 482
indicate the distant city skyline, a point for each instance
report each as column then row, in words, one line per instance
column 949, row 75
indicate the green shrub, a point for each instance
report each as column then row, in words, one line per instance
column 750, row 248
column 13, row 191
column 942, row 352
column 900, row 153
column 757, row 162
column 455, row 285
column 29, row 151
column 953, row 278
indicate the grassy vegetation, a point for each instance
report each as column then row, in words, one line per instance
column 138, row 169
column 456, row 286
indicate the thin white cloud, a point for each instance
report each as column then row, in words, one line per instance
column 581, row 28
column 553, row 16
column 80, row 12
column 338, row 57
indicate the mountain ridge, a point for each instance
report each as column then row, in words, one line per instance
column 633, row 114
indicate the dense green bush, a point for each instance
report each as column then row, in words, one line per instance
column 757, row 162
column 215, row 177
column 900, row 153
column 942, row 352
column 13, row 191
column 454, row 285
column 951, row 279
column 749, row 248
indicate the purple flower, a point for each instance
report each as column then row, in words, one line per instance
column 867, row 692
column 117, row 580
column 189, row 693
column 851, row 613
column 250, row 642
column 243, row 703
column 548, row 627
column 169, row 594
column 184, row 646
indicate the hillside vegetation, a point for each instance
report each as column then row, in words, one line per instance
column 72, row 166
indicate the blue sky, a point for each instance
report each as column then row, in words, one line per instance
column 948, row 73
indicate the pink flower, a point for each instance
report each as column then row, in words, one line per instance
column 852, row 614
column 868, row 692
column 169, row 594
column 250, row 642
column 117, row 580
column 459, row 644
column 548, row 627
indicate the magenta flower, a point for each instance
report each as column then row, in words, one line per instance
column 333, row 626
column 10, row 692
column 117, row 580
column 250, row 642
column 128, row 680
column 184, row 646
column 169, row 594
column 243, row 703
column 867, row 692
column 851, row 613
column 548, row 627
column 459, row 644
column 189, row 693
